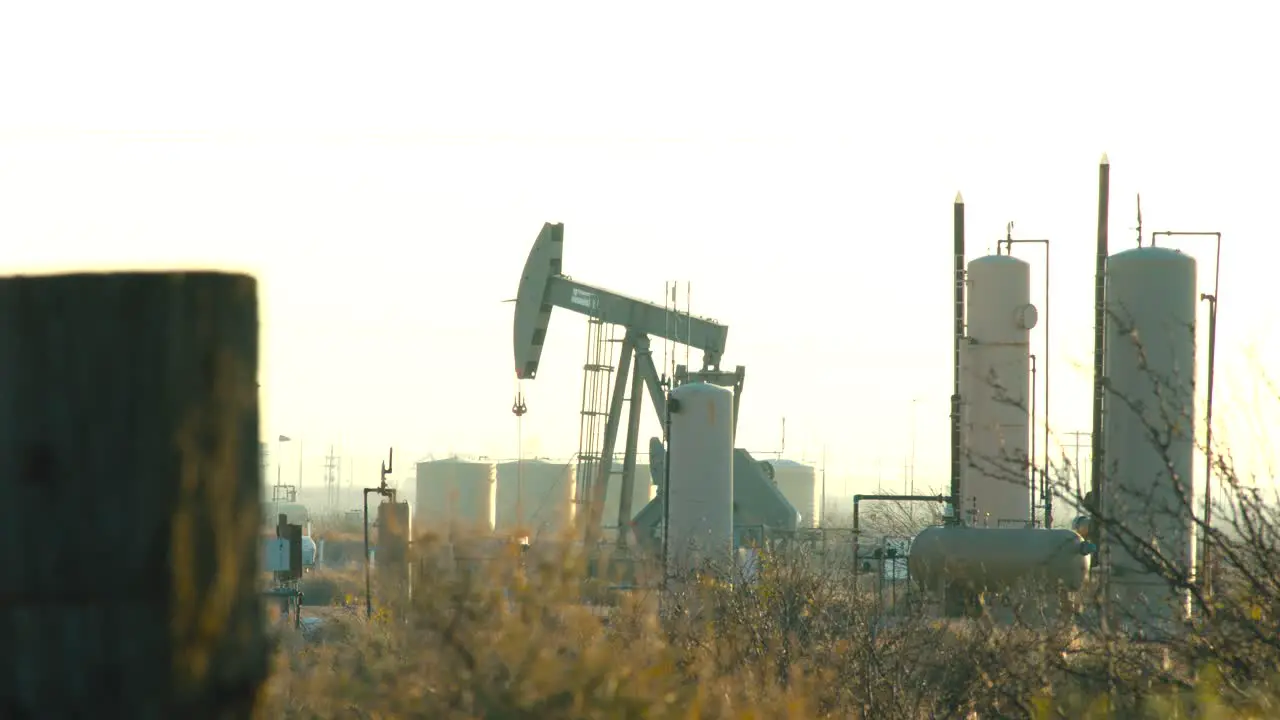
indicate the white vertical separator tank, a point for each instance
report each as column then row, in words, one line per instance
column 701, row 502
column 995, row 385
column 1150, row 361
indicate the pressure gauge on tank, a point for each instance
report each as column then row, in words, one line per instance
column 1026, row 317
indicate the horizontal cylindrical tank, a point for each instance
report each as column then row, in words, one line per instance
column 456, row 497
column 1150, row 358
column 993, row 559
column 535, row 496
column 798, row 483
column 700, row 505
column 995, row 385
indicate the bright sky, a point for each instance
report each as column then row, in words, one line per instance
column 384, row 167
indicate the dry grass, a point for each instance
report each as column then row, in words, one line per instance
column 515, row 639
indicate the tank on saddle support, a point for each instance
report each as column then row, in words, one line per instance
column 1036, row 566
column 991, row 386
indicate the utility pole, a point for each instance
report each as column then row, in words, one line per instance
column 331, row 464
column 911, row 490
column 1076, row 444
column 135, row 392
column 282, row 490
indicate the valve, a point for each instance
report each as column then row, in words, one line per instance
column 386, row 468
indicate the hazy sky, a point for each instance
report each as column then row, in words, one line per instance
column 383, row 169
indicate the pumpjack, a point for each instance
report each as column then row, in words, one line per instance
column 544, row 287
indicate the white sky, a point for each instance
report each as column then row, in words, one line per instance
column 384, row 167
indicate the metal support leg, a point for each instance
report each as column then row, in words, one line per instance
column 600, row 483
column 633, row 438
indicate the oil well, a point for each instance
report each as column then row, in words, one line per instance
column 696, row 449
column 700, row 497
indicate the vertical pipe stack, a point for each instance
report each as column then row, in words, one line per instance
column 1099, row 323
column 957, row 334
column 1097, row 448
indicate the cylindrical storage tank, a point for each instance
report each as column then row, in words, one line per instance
column 995, row 559
column 535, row 496
column 995, row 384
column 1150, row 357
column 798, row 483
column 700, row 504
column 456, row 498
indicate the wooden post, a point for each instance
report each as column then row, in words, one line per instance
column 129, row 497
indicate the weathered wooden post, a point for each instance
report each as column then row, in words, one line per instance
column 129, row 496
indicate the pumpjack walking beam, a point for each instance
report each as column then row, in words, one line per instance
column 544, row 286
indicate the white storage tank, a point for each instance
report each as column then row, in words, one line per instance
column 996, row 559
column 799, row 484
column 456, row 497
column 535, row 496
column 1150, row 357
column 995, row 384
column 700, row 514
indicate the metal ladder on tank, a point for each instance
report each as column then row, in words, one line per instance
column 597, row 375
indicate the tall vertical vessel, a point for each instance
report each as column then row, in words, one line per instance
column 995, row 384
column 700, row 497
column 1149, row 426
